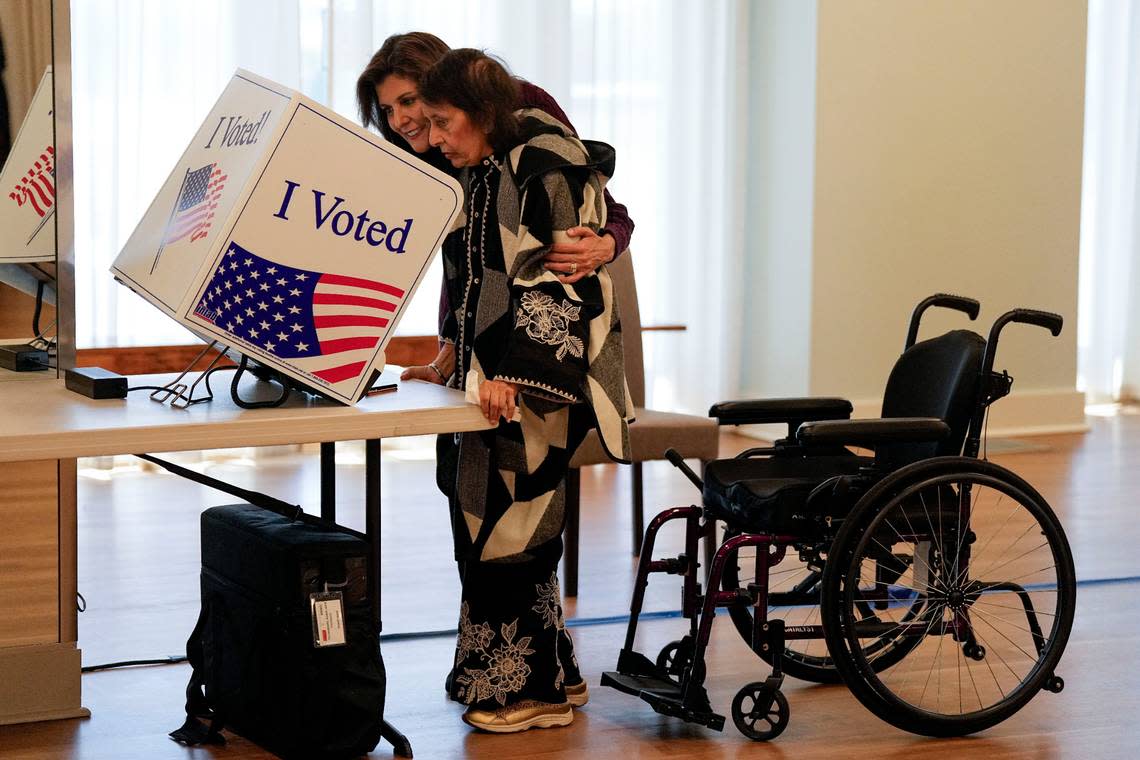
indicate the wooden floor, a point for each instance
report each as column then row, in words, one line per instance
column 139, row 558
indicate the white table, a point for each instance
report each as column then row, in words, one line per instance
column 42, row 420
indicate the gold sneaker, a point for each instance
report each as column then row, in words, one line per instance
column 577, row 694
column 520, row 716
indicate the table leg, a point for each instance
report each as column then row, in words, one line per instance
column 400, row 744
column 328, row 481
column 372, row 522
column 401, row 747
column 573, row 512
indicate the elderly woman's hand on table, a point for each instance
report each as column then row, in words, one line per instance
column 497, row 399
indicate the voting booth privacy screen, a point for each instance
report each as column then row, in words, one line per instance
column 27, row 208
column 292, row 235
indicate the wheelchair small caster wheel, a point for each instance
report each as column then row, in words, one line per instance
column 1054, row 684
column 974, row 651
column 675, row 656
column 760, row 712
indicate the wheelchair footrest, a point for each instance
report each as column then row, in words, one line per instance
column 643, row 679
column 637, row 685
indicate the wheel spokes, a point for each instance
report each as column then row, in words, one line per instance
column 974, row 644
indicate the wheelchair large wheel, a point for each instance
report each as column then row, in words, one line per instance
column 990, row 561
column 794, row 597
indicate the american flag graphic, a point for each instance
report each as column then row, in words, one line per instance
column 327, row 325
column 36, row 188
column 194, row 210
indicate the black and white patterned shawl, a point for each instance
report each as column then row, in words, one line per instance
column 561, row 343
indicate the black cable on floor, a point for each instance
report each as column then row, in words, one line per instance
column 170, row 660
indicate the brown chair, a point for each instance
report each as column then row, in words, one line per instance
column 650, row 435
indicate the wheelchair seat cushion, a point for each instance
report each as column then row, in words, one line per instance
column 770, row 495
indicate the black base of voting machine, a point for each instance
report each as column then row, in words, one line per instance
column 23, row 358
column 95, row 382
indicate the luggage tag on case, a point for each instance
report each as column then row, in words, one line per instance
column 328, row 618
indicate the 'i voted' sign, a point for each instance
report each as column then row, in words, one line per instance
column 291, row 235
column 27, row 185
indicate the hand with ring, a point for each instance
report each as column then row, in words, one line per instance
column 574, row 259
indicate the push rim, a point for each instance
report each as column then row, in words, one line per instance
column 992, row 565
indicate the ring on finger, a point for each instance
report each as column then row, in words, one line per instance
column 573, row 267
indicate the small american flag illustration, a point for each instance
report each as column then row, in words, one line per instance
column 194, row 210
column 36, row 188
column 325, row 324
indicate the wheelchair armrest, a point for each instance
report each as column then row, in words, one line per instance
column 871, row 433
column 790, row 410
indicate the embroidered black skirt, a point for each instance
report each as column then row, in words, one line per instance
column 513, row 644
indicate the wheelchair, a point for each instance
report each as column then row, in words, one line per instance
column 938, row 586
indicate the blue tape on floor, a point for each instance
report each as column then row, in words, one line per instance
column 1109, row 581
column 604, row 620
column 585, row 622
column 570, row 623
column 623, row 619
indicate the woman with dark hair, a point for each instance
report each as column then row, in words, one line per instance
column 396, row 69
column 387, row 93
column 545, row 357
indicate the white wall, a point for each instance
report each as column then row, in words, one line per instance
column 776, row 330
column 947, row 158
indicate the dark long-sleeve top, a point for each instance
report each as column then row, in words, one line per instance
column 618, row 223
column 5, row 129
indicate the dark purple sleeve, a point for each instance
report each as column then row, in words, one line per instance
column 618, row 224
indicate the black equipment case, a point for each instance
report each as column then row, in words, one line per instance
column 257, row 667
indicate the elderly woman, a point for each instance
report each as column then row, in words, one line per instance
column 546, row 357
column 387, row 93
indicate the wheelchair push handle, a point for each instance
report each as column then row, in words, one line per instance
column 1047, row 319
column 679, row 462
column 1050, row 321
column 968, row 306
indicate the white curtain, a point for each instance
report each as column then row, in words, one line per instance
column 1109, row 312
column 661, row 80
column 145, row 73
